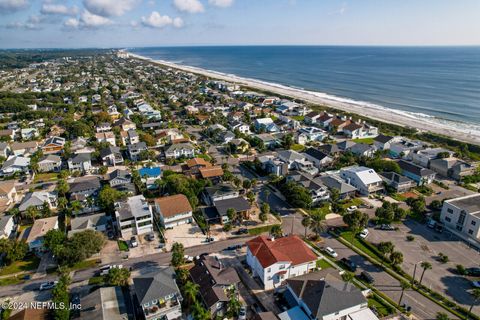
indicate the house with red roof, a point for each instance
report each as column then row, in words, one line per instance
column 276, row 260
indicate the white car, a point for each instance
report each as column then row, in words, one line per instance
column 363, row 234
column 106, row 269
column 242, row 313
column 188, row 258
column 331, row 252
column 352, row 208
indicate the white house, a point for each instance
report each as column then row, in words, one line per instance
column 266, row 125
column 80, row 162
column 174, row 210
column 366, row 180
column 275, row 260
column 134, row 216
column 179, row 150
column 462, row 216
column 15, row 164
column 7, row 226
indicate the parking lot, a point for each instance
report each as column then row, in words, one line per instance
column 187, row 234
column 426, row 246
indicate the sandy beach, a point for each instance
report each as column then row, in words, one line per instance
column 464, row 133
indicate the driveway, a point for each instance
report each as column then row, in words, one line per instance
column 426, row 247
column 187, row 234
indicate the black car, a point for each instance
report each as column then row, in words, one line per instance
column 367, row 277
column 474, row 272
column 349, row 264
column 242, row 231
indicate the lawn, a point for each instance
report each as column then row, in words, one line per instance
column 398, row 197
column 21, row 266
column 353, row 202
column 122, row 245
column 206, row 157
column 45, row 177
column 323, row 264
column 381, row 308
column 85, row 264
column 297, row 147
column 100, row 281
column 364, row 140
column 259, row 230
column 348, row 235
column 323, row 211
column 298, row 118
column 11, row 281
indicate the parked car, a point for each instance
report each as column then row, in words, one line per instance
column 133, row 242
column 431, row 223
column 233, row 247
column 475, row 284
column 367, row 277
column 48, row 285
column 363, row 234
column 242, row 313
column 331, row 252
column 188, row 258
column 150, row 236
column 387, row 227
column 474, row 272
column 209, row 239
column 103, row 271
column 242, row 231
column 352, row 208
column 351, row 266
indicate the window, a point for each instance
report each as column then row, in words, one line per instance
column 448, row 219
column 474, row 223
column 282, row 266
column 449, row 210
column 269, row 270
column 459, row 228
column 461, row 217
column 470, row 231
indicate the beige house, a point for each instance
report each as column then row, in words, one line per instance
column 39, row 230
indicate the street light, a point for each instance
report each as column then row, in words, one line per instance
column 414, row 271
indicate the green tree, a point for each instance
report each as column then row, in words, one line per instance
column 118, row 277
column 32, row 213
column 54, row 241
column 287, row 141
column 276, row 231
column 404, row 285
column 107, row 198
column 425, row 266
column 264, row 211
column 247, row 184
column 199, row 312
column 396, row 257
column 385, row 249
column 476, row 298
column 190, row 290
column 178, row 255
column 232, row 215
column 306, row 221
column 385, row 213
column 318, row 225
column 347, row 276
column 442, row 316
column 13, row 250
column 356, row 221
column 60, row 297
column 233, row 306
column 62, row 187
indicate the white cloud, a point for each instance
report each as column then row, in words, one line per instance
column 108, row 8
column 90, row 20
column 191, row 6
column 22, row 25
column 156, row 20
column 71, row 23
column 12, row 5
column 58, row 9
column 221, row 3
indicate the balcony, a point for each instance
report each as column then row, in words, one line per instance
column 162, row 307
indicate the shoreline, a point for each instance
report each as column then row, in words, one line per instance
column 375, row 112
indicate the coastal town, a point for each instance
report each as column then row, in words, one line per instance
column 130, row 189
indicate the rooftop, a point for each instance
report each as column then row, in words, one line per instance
column 471, row 203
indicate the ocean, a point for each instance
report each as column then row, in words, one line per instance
column 429, row 82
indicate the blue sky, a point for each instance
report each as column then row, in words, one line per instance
column 129, row 23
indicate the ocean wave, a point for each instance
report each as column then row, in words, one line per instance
column 464, row 127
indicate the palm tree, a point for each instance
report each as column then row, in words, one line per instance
column 396, row 257
column 32, row 213
column 476, row 297
column 405, row 285
column 317, row 225
column 276, row 231
column 190, row 290
column 306, row 221
column 426, row 266
column 267, row 194
column 385, row 248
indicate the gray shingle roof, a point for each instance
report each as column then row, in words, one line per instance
column 155, row 285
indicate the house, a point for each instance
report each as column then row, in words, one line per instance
column 312, row 117
column 276, row 260
column 215, row 282
column 383, row 142
column 103, row 127
column 265, row 125
column 225, row 137
column 360, row 130
column 422, row 176
column 462, row 217
column 132, row 137
column 239, row 204
column 241, row 127
column 50, row 163
column 7, row 226
column 297, row 161
column 15, row 164
column 8, row 192
column 452, row 168
column 125, row 124
column 180, row 150
column 7, row 133
column 404, row 148
column 332, row 150
column 38, row 199
column 134, row 150
column 323, row 295
column 158, row 295
column 121, row 180
column 363, row 150
column 213, row 173
column 108, row 137
column 270, row 141
column 310, row 134
column 53, row 145
column 149, row 175
column 219, row 192
column 23, row 148
column 38, row 231
column 111, row 156
column 398, row 182
column 273, row 165
column 346, row 145
column 84, row 187
column 366, row 180
column 333, row 181
column 106, row 303
column 337, row 124
column 174, row 210
column 319, row 158
column 318, row 190
column 80, row 162
column 133, row 216
column 4, row 149
column 324, row 120
column 28, row 133
column 97, row 222
column 424, row 156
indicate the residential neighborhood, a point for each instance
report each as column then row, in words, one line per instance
column 133, row 190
